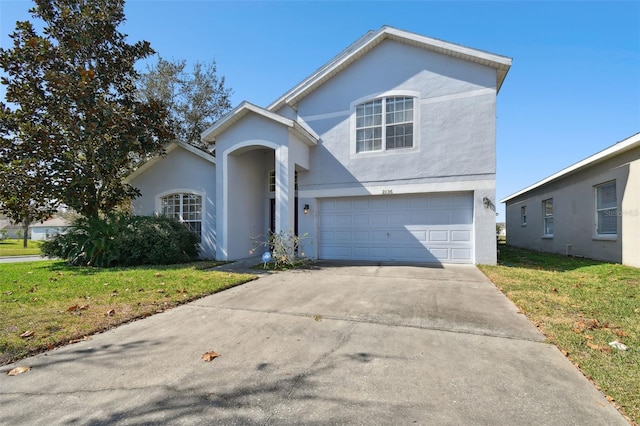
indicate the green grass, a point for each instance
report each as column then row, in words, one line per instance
column 60, row 303
column 13, row 247
column 581, row 305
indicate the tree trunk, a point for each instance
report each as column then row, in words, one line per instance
column 25, row 234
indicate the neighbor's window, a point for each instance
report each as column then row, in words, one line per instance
column 272, row 181
column 187, row 208
column 606, row 209
column 523, row 215
column 547, row 216
column 384, row 124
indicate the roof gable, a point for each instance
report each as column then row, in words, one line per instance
column 175, row 144
column 617, row 149
column 233, row 116
column 373, row 38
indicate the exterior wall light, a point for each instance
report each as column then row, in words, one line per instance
column 305, row 209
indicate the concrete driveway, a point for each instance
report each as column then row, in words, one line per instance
column 339, row 344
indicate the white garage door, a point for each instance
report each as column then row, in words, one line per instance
column 422, row 228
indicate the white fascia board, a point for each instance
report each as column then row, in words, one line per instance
column 371, row 39
column 308, row 136
column 236, row 114
column 605, row 154
column 196, row 151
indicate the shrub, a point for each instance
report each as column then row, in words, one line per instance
column 124, row 240
column 284, row 246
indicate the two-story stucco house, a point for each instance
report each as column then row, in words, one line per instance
column 387, row 152
column 591, row 208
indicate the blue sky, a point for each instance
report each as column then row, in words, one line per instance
column 573, row 88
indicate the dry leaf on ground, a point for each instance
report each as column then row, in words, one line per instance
column 18, row 370
column 208, row 356
column 27, row 334
column 599, row 347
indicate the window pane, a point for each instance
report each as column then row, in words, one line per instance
column 400, row 136
column 186, row 208
column 607, row 195
column 272, row 181
column 608, row 222
column 548, row 226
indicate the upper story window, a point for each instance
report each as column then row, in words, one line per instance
column 272, row 181
column 547, row 217
column 385, row 124
column 187, row 208
column 606, row 209
column 523, row 215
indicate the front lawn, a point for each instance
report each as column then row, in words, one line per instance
column 13, row 247
column 45, row 304
column 581, row 306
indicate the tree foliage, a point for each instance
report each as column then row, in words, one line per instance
column 73, row 124
column 195, row 100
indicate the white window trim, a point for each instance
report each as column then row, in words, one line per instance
column 545, row 217
column 158, row 209
column 596, row 235
column 273, row 173
column 384, row 152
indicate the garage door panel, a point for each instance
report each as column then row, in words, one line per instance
column 461, row 254
column 423, row 228
column 378, row 203
column 438, row 218
column 440, row 253
column 420, row 236
column 343, row 220
column 441, row 235
column 461, row 217
column 379, row 220
column 464, row 236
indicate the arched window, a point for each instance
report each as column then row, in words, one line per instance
column 187, row 208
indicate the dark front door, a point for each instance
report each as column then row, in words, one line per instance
column 272, row 216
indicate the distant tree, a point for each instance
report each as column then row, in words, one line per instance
column 195, row 100
column 72, row 121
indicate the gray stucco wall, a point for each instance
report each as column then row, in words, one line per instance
column 574, row 213
column 180, row 171
column 455, row 148
column 457, row 119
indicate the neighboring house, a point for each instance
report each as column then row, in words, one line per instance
column 10, row 229
column 387, row 152
column 589, row 209
column 48, row 228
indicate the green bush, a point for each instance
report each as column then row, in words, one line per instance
column 124, row 240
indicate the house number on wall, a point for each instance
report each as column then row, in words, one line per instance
column 387, row 191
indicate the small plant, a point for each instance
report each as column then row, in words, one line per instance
column 4, row 234
column 284, row 246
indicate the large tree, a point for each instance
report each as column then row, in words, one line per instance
column 72, row 118
column 195, row 98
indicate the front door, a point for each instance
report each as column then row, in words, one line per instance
column 272, row 216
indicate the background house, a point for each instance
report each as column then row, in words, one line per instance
column 48, row 228
column 387, row 152
column 11, row 230
column 590, row 209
